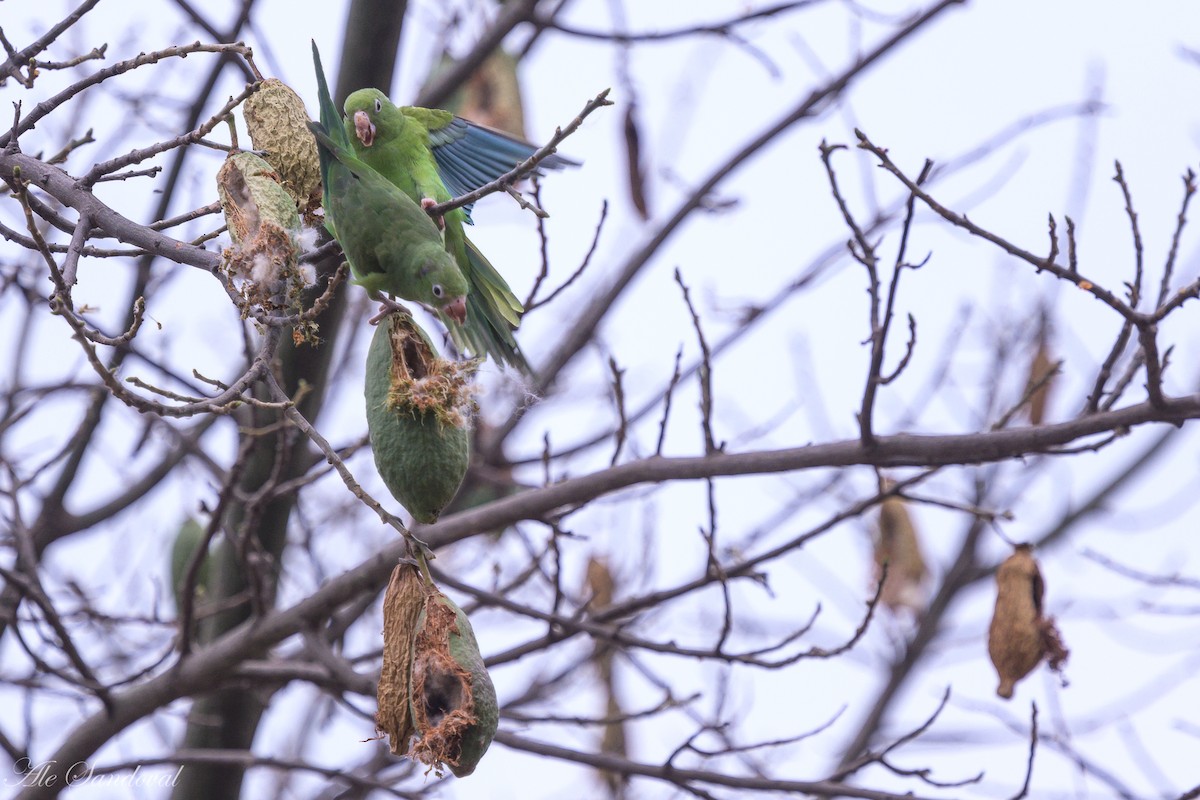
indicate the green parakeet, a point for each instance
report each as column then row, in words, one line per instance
column 391, row 243
column 433, row 156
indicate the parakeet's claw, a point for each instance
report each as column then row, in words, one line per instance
column 428, row 203
column 456, row 309
column 387, row 306
column 364, row 128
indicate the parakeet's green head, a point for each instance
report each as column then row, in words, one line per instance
column 441, row 279
column 371, row 115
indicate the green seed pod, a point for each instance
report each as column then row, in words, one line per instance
column 433, row 684
column 278, row 125
column 262, row 218
column 187, row 541
column 418, row 416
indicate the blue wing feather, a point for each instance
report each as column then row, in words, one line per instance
column 469, row 156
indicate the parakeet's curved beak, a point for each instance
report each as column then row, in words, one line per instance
column 456, row 309
column 364, row 128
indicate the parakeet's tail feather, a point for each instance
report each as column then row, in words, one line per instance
column 486, row 279
column 493, row 313
column 482, row 338
column 331, row 135
column 330, row 119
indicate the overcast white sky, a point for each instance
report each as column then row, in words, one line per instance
column 969, row 77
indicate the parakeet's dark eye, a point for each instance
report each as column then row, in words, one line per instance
column 378, row 105
column 438, row 291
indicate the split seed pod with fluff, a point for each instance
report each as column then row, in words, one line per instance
column 264, row 226
column 278, row 125
column 1020, row 635
column 433, row 684
column 418, row 415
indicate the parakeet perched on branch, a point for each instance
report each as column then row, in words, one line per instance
column 391, row 243
column 434, row 156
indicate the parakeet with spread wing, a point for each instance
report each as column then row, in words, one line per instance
column 433, row 156
column 391, row 243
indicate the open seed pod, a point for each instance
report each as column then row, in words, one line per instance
column 263, row 225
column 433, row 684
column 1020, row 636
column 418, row 415
column 278, row 126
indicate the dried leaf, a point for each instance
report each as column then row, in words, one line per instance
column 600, row 584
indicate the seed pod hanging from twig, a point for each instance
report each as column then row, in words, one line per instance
column 265, row 229
column 187, row 541
column 418, row 415
column 897, row 545
column 1042, row 373
column 601, row 586
column 635, row 162
column 433, row 684
column 1020, row 635
column 278, row 125
column 492, row 95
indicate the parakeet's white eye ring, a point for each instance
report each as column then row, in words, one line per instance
column 378, row 105
column 438, row 291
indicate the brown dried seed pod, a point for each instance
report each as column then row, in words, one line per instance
column 1019, row 636
column 1041, row 379
column 492, row 95
column 897, row 545
column 433, row 684
column 601, row 586
column 402, row 606
column 278, row 124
